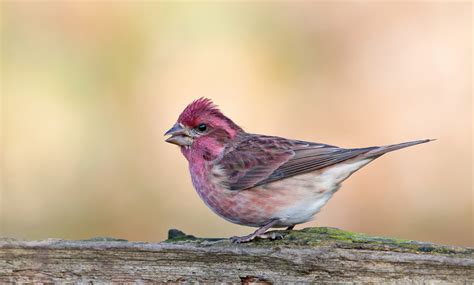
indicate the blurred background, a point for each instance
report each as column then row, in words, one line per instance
column 88, row 89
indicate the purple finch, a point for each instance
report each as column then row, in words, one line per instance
column 262, row 181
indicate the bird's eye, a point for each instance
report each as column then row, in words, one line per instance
column 202, row 127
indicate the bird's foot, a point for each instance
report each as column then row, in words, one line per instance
column 260, row 233
column 250, row 237
column 243, row 239
column 271, row 236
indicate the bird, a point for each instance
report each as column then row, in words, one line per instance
column 259, row 180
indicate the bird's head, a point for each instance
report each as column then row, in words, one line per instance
column 202, row 129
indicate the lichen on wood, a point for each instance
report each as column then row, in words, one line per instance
column 307, row 255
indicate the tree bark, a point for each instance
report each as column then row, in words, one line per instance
column 308, row 255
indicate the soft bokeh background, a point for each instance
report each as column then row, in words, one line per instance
column 88, row 90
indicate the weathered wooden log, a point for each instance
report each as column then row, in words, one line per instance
column 308, row 255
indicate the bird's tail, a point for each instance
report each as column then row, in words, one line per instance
column 378, row 151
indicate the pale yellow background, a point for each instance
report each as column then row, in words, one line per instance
column 88, row 89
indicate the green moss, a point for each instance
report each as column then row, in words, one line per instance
column 324, row 236
column 175, row 236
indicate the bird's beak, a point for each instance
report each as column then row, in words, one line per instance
column 179, row 135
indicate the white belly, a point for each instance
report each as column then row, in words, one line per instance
column 311, row 191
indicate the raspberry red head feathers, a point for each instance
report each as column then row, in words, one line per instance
column 197, row 109
column 203, row 110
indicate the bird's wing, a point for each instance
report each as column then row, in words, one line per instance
column 259, row 160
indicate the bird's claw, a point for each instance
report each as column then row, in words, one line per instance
column 271, row 236
column 236, row 239
column 249, row 238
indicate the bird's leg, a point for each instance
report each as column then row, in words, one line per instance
column 290, row 228
column 258, row 233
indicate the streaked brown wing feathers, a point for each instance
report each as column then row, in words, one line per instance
column 309, row 162
column 260, row 159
